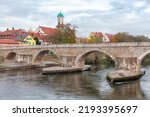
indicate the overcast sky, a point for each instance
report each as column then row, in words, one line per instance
column 109, row 16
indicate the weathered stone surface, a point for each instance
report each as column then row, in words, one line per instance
column 123, row 75
column 58, row 70
column 125, row 55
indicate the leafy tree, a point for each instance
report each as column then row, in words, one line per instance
column 64, row 35
column 122, row 37
column 112, row 39
column 141, row 38
column 37, row 41
column 126, row 37
column 94, row 39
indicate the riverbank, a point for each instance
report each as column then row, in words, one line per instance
column 16, row 66
column 22, row 66
column 123, row 75
column 47, row 67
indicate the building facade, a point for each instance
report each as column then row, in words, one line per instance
column 29, row 40
column 99, row 37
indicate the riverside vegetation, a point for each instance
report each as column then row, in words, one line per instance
column 99, row 59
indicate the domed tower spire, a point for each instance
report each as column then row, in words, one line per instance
column 60, row 20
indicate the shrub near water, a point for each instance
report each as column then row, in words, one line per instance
column 146, row 61
column 98, row 59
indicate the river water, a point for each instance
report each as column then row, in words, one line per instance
column 31, row 84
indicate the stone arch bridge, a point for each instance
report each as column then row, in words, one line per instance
column 125, row 55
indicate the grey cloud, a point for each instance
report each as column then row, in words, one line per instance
column 123, row 15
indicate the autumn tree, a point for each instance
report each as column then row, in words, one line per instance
column 122, row 37
column 126, row 37
column 65, row 35
column 142, row 38
column 93, row 38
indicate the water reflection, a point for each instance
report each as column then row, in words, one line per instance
column 131, row 90
column 31, row 84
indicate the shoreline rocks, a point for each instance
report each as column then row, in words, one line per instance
column 114, row 76
column 124, row 75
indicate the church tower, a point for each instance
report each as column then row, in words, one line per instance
column 60, row 20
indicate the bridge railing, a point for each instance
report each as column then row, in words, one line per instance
column 123, row 44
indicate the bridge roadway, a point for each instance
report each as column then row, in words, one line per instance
column 125, row 55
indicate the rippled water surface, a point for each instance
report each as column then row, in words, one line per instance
column 31, row 84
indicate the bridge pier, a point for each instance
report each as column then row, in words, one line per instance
column 127, row 68
column 127, row 63
column 80, row 63
column 24, row 58
column 67, row 61
column 2, row 59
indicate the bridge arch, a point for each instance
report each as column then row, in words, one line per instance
column 81, row 58
column 40, row 54
column 11, row 56
column 141, row 57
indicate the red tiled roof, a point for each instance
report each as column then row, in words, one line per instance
column 13, row 34
column 44, row 38
column 4, row 33
column 36, row 35
column 8, row 41
column 47, row 30
column 98, row 34
column 109, row 35
column 18, row 31
column 39, row 36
